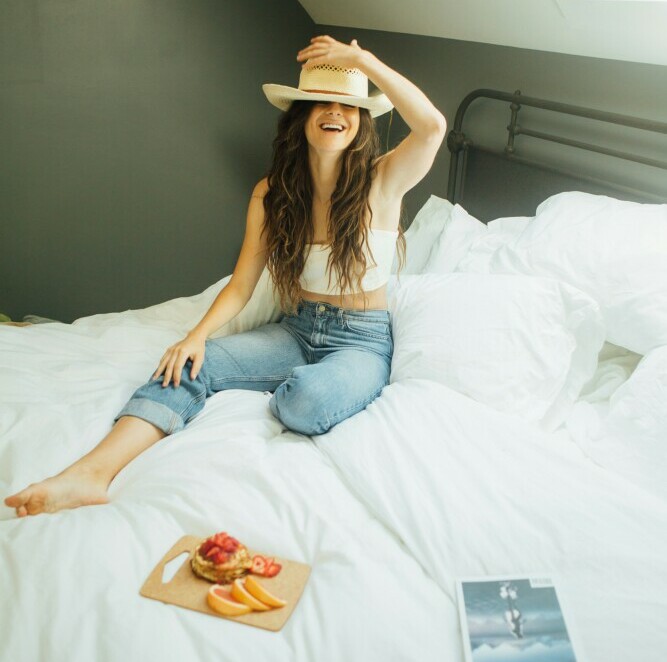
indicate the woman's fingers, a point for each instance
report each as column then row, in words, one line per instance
column 321, row 43
column 324, row 49
column 316, row 58
column 170, row 370
column 160, row 368
column 323, row 37
column 181, row 358
column 175, row 358
column 196, row 365
column 311, row 51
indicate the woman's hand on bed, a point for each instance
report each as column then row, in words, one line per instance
column 191, row 347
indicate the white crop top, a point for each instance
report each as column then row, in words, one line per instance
column 315, row 278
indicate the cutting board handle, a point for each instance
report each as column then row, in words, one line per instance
column 154, row 581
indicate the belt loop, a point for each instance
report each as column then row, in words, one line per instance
column 340, row 316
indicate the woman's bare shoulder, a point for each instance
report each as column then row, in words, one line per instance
column 261, row 188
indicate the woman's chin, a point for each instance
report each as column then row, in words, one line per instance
column 334, row 144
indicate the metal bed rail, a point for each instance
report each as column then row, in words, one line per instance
column 458, row 142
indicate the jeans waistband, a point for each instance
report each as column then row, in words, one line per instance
column 323, row 308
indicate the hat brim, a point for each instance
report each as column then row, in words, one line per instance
column 281, row 96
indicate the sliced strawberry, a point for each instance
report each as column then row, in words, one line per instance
column 272, row 570
column 212, row 551
column 230, row 545
column 265, row 566
column 219, row 547
column 259, row 564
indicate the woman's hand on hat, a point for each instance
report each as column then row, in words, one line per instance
column 326, row 50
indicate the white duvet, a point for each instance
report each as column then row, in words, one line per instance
column 389, row 508
column 474, row 492
column 71, row 579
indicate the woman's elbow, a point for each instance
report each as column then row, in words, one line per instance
column 435, row 130
column 440, row 125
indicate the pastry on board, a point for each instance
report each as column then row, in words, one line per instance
column 221, row 559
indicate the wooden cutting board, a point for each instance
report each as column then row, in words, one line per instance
column 187, row 590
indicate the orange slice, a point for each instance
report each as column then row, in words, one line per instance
column 239, row 593
column 258, row 591
column 221, row 600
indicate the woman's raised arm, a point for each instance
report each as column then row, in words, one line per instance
column 403, row 167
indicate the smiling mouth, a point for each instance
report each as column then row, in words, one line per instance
column 332, row 127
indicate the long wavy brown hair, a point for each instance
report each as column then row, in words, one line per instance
column 289, row 201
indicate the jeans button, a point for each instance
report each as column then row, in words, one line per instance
column 320, row 308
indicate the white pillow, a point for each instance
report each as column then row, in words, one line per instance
column 509, row 226
column 499, row 232
column 614, row 250
column 183, row 313
column 423, row 233
column 467, row 244
column 455, row 241
column 631, row 440
column 523, row 345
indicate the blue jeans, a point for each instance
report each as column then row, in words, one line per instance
column 323, row 364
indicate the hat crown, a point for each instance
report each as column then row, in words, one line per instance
column 334, row 79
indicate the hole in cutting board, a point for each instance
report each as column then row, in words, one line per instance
column 171, row 567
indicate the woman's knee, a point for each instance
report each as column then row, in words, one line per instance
column 301, row 404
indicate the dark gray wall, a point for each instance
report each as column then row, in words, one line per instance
column 133, row 131
column 132, row 134
column 447, row 70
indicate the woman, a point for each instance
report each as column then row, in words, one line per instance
column 325, row 223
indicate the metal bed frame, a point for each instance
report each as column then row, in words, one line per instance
column 459, row 144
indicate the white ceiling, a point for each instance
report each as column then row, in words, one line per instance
column 632, row 30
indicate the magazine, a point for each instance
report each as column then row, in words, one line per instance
column 513, row 619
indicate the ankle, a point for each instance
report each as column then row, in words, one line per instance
column 90, row 471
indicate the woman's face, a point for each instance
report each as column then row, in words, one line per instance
column 332, row 126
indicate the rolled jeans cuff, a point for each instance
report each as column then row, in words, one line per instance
column 154, row 412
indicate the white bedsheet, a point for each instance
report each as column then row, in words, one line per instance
column 389, row 507
column 71, row 579
column 475, row 492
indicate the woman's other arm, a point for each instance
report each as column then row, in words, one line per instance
column 230, row 301
column 251, row 262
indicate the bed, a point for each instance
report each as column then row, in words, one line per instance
column 522, row 431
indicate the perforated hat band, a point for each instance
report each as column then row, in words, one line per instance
column 326, row 78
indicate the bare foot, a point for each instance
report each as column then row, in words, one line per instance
column 69, row 489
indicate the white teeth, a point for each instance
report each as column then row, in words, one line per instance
column 332, row 126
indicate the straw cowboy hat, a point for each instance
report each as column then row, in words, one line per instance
column 328, row 82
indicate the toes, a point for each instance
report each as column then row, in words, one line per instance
column 15, row 500
column 27, row 502
column 12, row 501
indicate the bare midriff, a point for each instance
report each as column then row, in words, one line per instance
column 375, row 299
